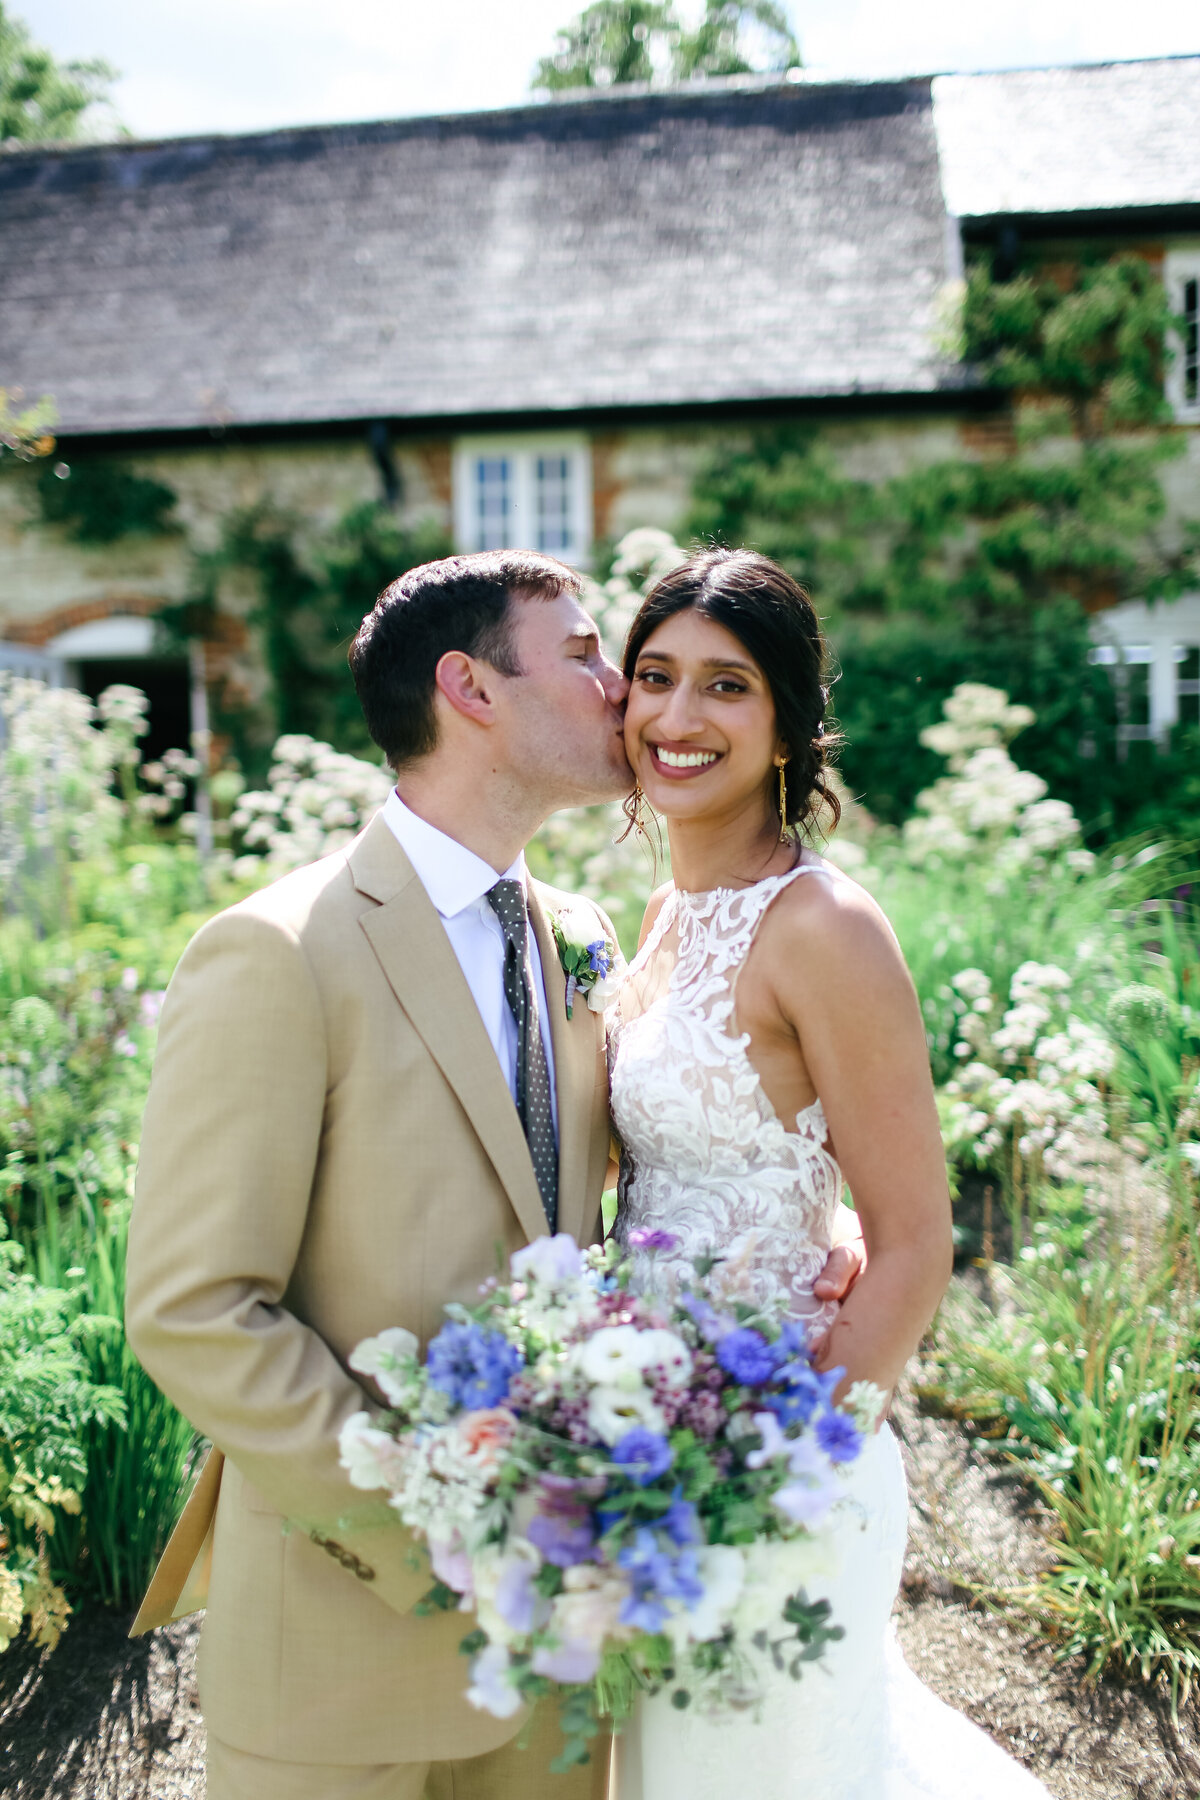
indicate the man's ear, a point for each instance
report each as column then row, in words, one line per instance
column 466, row 685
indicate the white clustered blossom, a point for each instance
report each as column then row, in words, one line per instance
column 315, row 801
column 986, row 805
column 441, row 1479
column 58, row 754
column 642, row 557
column 1033, row 1080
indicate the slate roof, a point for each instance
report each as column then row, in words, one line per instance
column 636, row 251
column 1071, row 140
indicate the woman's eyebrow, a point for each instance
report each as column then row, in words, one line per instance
column 709, row 662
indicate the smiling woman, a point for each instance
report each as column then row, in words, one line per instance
column 701, row 709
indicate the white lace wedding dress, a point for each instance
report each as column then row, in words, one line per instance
column 706, row 1159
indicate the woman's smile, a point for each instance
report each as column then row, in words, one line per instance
column 681, row 761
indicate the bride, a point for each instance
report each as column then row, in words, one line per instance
column 766, row 1041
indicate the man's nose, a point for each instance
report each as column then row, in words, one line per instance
column 616, row 688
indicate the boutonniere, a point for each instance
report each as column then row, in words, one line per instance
column 587, row 964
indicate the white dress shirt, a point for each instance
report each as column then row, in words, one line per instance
column 457, row 881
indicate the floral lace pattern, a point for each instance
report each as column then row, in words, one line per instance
column 705, row 1156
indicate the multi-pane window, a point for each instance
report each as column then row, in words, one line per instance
column 1182, row 276
column 1153, row 656
column 493, row 499
column 1132, row 667
column 531, row 494
column 1187, row 683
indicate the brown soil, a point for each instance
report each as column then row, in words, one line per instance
column 106, row 1719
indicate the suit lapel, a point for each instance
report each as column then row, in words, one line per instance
column 416, row 956
column 575, row 1061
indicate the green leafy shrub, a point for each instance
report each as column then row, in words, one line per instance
column 100, row 499
column 49, row 1406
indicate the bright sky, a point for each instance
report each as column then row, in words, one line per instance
column 242, row 65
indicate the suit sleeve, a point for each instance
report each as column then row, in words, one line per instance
column 229, row 1146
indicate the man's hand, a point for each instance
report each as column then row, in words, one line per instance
column 846, row 1260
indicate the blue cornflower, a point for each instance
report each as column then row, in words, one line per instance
column 472, row 1366
column 838, row 1436
column 798, row 1399
column 658, row 1576
column 644, row 1455
column 746, row 1355
column 599, row 958
column 680, row 1521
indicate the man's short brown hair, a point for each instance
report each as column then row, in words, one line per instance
column 460, row 603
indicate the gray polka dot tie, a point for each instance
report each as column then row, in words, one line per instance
column 507, row 901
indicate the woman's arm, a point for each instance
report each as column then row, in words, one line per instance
column 843, row 986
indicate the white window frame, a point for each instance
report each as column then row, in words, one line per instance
column 1181, row 267
column 522, row 453
column 1158, row 635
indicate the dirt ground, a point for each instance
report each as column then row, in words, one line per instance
column 106, row 1719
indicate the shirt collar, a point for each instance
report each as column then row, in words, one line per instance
column 453, row 876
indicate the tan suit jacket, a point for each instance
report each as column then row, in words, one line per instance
column 330, row 1147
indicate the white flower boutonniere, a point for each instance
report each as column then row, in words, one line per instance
column 587, row 964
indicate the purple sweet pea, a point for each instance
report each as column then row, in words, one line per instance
column 517, row 1600
column 838, row 1436
column 652, row 1240
column 644, row 1455
column 562, row 1541
column 572, row 1661
column 562, row 1528
column 746, row 1355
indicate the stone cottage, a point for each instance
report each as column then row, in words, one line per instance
column 529, row 325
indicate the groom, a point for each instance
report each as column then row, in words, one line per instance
column 366, row 1090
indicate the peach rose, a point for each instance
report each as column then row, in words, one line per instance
column 484, row 1436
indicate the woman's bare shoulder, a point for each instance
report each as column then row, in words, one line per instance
column 828, row 914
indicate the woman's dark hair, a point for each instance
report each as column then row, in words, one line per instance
column 772, row 617
column 460, row 603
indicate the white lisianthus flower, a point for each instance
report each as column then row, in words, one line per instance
column 612, row 1354
column 612, row 1411
column 666, row 1351
column 589, row 1608
column 370, row 1457
column 388, row 1360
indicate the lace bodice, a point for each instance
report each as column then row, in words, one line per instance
column 704, row 1155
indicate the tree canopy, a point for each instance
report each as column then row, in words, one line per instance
column 43, row 101
column 614, row 42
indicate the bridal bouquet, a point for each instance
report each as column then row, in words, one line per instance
column 627, row 1492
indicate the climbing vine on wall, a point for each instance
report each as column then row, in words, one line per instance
column 100, row 499
column 982, row 566
column 309, row 593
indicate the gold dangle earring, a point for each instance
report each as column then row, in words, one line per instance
column 638, row 797
column 783, row 819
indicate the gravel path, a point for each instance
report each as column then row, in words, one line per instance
column 107, row 1719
